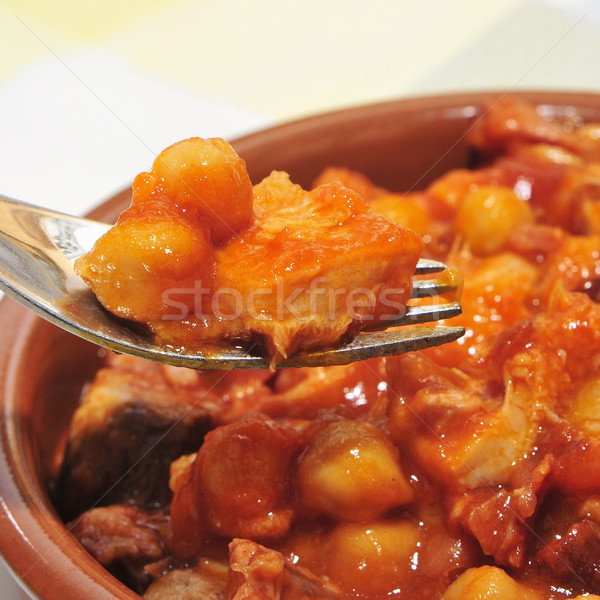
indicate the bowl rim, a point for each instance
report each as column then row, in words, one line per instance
column 46, row 561
column 476, row 98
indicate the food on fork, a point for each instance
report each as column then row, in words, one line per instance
column 466, row 471
column 202, row 256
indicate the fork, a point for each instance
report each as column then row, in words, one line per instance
column 38, row 247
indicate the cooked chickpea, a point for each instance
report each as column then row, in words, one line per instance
column 487, row 216
column 585, row 410
column 371, row 558
column 589, row 132
column 554, row 154
column 145, row 186
column 351, row 471
column 242, row 478
column 451, row 187
column 403, row 210
column 211, row 177
column 188, row 526
column 137, row 261
column 487, row 583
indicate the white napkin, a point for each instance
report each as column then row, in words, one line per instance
column 77, row 128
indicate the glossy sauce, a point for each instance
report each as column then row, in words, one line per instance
column 466, row 471
column 202, row 257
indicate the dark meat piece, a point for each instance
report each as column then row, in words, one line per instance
column 574, row 559
column 132, row 424
column 120, row 532
column 206, row 580
column 137, row 417
column 123, row 539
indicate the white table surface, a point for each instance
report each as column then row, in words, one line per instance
column 90, row 91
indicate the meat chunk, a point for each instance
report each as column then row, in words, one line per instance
column 206, row 580
column 123, row 538
column 240, row 483
column 492, row 421
column 120, row 532
column 258, row 573
column 574, row 558
column 132, row 424
column 515, row 121
column 189, row 259
column 501, row 520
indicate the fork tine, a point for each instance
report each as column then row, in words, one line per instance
column 419, row 314
column 431, row 287
column 426, row 266
column 427, row 313
column 375, row 345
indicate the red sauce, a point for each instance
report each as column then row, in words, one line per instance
column 465, row 471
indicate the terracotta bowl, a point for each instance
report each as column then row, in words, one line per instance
column 402, row 145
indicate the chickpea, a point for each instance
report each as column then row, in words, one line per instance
column 242, row 478
column 211, row 177
column 371, row 558
column 451, row 187
column 589, row 133
column 487, row 583
column 138, row 261
column 145, row 187
column 554, row 154
column 351, row 471
column 585, row 410
column 403, row 210
column 487, row 216
column 188, row 528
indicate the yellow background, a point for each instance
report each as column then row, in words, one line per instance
column 287, row 58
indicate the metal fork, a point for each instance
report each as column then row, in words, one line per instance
column 37, row 250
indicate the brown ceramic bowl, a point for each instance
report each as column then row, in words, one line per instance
column 402, row 145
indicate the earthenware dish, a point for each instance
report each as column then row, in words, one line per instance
column 402, row 145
